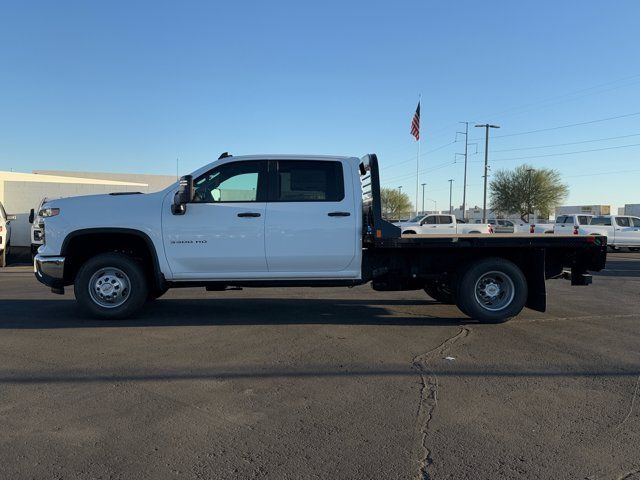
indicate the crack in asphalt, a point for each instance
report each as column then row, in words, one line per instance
column 429, row 396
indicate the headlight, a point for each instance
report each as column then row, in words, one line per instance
column 49, row 212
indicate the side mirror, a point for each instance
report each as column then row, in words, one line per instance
column 183, row 196
column 32, row 215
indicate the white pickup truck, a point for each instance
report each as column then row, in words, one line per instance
column 577, row 224
column 5, row 235
column 620, row 230
column 441, row 224
column 286, row 221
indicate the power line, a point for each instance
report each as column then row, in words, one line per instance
column 524, row 107
column 421, row 155
column 437, row 167
column 569, row 125
column 566, row 153
column 566, row 144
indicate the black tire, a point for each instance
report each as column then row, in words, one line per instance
column 440, row 292
column 634, row 249
column 511, row 294
column 101, row 265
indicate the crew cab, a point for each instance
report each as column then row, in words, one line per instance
column 286, row 221
column 620, row 230
column 441, row 224
column 5, row 234
column 577, row 224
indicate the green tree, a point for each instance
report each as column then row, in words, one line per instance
column 525, row 190
column 395, row 204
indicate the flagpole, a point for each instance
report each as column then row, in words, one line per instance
column 418, row 155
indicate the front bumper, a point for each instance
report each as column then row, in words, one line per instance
column 49, row 270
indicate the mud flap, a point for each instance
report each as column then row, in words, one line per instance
column 535, row 275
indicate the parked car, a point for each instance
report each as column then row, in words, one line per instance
column 524, row 227
column 502, row 226
column 5, row 235
column 620, row 230
column 442, row 224
column 286, row 221
column 572, row 224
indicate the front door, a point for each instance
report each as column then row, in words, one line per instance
column 221, row 235
column 311, row 228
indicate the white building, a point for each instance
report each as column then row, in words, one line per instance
column 584, row 209
column 631, row 209
column 20, row 192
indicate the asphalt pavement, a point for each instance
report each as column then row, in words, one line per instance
column 327, row 383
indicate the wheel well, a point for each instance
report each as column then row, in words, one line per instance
column 78, row 248
column 408, row 232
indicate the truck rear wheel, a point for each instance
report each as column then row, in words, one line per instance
column 492, row 291
column 111, row 286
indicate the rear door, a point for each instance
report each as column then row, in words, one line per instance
column 624, row 231
column 311, row 228
column 446, row 225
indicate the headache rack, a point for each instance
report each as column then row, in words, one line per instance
column 374, row 228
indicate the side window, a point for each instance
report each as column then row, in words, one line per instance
column 622, row 221
column 309, row 181
column 444, row 219
column 635, row 221
column 601, row 221
column 231, row 182
column 432, row 220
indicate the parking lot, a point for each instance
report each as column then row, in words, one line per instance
column 321, row 383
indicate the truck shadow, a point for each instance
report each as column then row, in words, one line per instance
column 33, row 314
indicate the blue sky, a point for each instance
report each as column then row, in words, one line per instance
column 130, row 86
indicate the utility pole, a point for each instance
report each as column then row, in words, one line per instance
column 423, row 197
column 450, row 196
column 400, row 189
column 486, row 126
column 464, row 185
column 529, row 170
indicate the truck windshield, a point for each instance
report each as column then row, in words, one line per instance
column 416, row 219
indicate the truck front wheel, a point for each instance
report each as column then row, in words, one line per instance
column 111, row 286
column 492, row 291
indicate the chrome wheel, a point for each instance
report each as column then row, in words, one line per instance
column 109, row 287
column 494, row 291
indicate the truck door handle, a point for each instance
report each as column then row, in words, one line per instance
column 339, row 214
column 248, row 214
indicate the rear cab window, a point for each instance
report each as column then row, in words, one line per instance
column 606, row 221
column 584, row 220
column 309, row 181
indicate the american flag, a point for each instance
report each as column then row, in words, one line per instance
column 415, row 123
